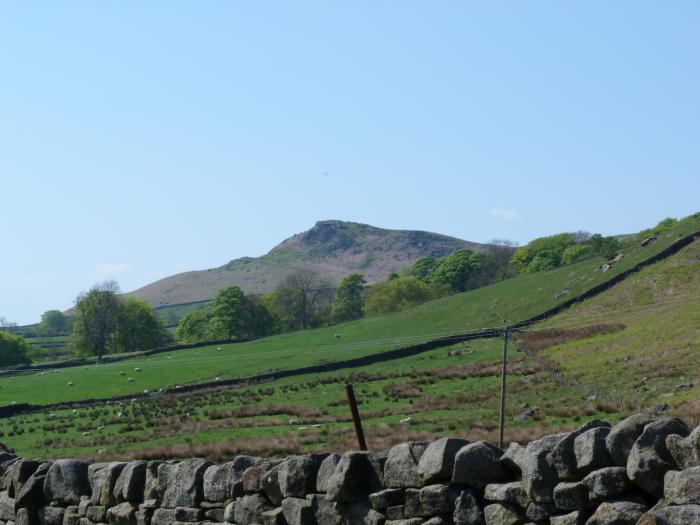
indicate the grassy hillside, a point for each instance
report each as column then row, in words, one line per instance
column 333, row 249
column 446, row 391
column 655, row 355
column 515, row 300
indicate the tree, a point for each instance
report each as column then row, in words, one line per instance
column 4, row 323
column 349, row 299
column 137, row 327
column 423, row 268
column 605, row 246
column 53, row 322
column 500, row 252
column 301, row 301
column 13, row 350
column 397, row 294
column 233, row 312
column 461, row 271
column 195, row 326
column 95, row 319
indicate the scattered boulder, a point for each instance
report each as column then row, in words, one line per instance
column 563, row 457
column 623, row 435
column 682, row 488
column 183, row 482
column 503, row 514
column 479, row 464
column 247, row 509
column 131, row 483
column 437, row 462
column 617, row 513
column 122, row 514
column 401, row 468
column 607, row 483
column 467, row 509
column 224, row 482
column 590, row 450
column 512, row 458
column 571, row 495
column 512, row 492
column 649, row 458
column 539, row 477
column 67, row 480
column 357, row 475
column 325, row 472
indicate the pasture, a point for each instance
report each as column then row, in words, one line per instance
column 514, row 299
column 450, row 390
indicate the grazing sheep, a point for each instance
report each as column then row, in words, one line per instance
column 337, row 336
column 122, row 373
column 100, row 427
column 177, row 387
column 217, row 379
column 137, row 369
column 301, row 429
column 86, row 433
column 145, row 392
column 406, row 421
column 119, row 414
column 70, row 383
column 101, row 451
column 293, row 421
column 75, row 411
column 219, row 349
column 130, row 380
column 316, row 426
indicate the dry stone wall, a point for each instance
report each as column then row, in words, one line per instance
column 644, row 470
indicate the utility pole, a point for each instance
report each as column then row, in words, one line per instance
column 504, row 371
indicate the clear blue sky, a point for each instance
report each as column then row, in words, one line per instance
column 139, row 139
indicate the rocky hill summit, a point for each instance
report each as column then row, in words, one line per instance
column 333, row 249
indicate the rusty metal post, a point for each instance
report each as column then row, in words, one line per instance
column 356, row 417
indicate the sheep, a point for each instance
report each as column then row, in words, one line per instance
column 100, row 427
column 145, row 392
column 293, row 421
column 137, row 369
column 177, row 387
column 217, row 379
column 406, row 421
column 337, row 336
column 70, row 383
column 130, row 380
column 316, row 426
column 300, row 429
column 101, row 451
column 75, row 411
column 86, row 433
column 219, row 349
column 122, row 373
column 119, row 414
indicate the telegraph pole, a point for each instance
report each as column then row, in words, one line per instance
column 504, row 371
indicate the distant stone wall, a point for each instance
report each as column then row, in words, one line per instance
column 644, row 470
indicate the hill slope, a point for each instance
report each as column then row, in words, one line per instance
column 651, row 355
column 333, row 249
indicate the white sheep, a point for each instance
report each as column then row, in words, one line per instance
column 122, row 373
column 70, row 383
column 406, row 421
column 130, row 380
column 86, row 433
column 137, row 369
column 217, row 379
column 293, row 421
column 101, row 451
column 145, row 392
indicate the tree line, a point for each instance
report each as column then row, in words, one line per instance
column 104, row 322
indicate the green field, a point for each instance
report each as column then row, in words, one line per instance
column 445, row 391
column 515, row 299
column 656, row 356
